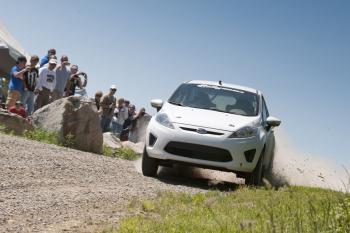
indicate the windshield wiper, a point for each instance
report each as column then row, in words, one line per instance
column 218, row 110
column 176, row 103
column 214, row 109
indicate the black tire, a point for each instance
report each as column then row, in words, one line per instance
column 149, row 165
column 255, row 178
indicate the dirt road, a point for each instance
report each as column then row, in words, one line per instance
column 45, row 188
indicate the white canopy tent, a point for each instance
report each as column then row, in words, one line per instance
column 10, row 50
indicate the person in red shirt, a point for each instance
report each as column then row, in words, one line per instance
column 18, row 109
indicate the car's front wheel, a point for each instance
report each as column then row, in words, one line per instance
column 255, row 178
column 149, row 165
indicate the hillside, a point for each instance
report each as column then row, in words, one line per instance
column 46, row 188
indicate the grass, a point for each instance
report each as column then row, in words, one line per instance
column 123, row 153
column 54, row 138
column 289, row 209
column 43, row 136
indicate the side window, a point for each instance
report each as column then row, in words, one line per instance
column 265, row 111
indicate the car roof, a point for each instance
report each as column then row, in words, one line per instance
column 228, row 85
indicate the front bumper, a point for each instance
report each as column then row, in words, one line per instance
column 235, row 147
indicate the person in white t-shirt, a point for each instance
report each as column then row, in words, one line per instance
column 46, row 84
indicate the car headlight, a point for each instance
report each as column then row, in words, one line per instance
column 163, row 119
column 245, row 132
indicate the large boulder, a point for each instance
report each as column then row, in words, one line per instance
column 72, row 117
column 14, row 123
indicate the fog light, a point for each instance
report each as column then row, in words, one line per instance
column 249, row 155
column 152, row 139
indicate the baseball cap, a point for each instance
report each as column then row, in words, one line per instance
column 113, row 87
column 53, row 61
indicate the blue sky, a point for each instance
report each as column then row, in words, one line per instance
column 296, row 52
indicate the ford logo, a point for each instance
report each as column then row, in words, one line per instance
column 201, row 131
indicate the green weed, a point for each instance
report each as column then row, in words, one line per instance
column 123, row 153
column 289, row 209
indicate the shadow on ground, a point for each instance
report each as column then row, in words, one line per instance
column 199, row 178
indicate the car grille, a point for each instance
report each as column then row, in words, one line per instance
column 195, row 130
column 196, row 151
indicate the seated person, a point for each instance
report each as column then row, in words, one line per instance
column 201, row 100
column 242, row 107
column 18, row 109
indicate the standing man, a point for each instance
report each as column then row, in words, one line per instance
column 124, row 136
column 30, row 80
column 46, row 58
column 108, row 104
column 62, row 76
column 120, row 115
column 16, row 86
column 46, row 84
column 97, row 100
column 74, row 81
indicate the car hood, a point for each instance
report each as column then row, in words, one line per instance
column 207, row 118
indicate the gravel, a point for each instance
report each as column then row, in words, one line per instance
column 46, row 188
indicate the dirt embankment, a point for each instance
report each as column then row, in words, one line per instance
column 45, row 188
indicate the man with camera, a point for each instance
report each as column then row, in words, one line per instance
column 108, row 104
column 74, row 81
column 51, row 53
column 16, row 86
column 62, row 76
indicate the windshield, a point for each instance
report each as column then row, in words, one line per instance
column 216, row 98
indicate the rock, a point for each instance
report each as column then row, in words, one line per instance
column 111, row 140
column 74, row 116
column 14, row 123
column 136, row 147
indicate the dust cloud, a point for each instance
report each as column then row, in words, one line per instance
column 297, row 168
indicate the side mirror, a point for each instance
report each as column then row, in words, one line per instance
column 273, row 121
column 157, row 103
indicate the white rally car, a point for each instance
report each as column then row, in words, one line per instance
column 212, row 125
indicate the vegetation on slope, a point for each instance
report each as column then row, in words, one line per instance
column 289, row 209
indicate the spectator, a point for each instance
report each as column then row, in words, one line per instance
column 74, row 81
column 45, row 59
column 124, row 136
column 16, row 82
column 18, row 109
column 62, row 77
column 126, row 104
column 30, row 80
column 120, row 115
column 108, row 104
column 97, row 100
column 46, row 84
column 138, row 125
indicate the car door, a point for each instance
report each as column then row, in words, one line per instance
column 270, row 137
